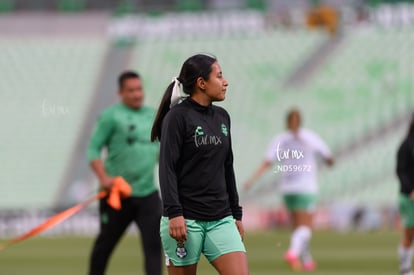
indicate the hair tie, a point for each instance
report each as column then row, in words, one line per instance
column 178, row 94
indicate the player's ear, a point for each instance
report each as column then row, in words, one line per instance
column 201, row 84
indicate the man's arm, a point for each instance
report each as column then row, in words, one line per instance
column 100, row 136
column 104, row 180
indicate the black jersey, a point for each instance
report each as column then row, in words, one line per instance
column 196, row 163
column 405, row 166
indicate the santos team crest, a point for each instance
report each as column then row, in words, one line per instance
column 181, row 251
column 224, row 129
column 199, row 131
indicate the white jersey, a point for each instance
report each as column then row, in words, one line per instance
column 294, row 158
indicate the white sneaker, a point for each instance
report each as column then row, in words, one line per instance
column 407, row 273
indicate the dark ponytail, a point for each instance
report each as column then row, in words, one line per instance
column 196, row 66
column 162, row 111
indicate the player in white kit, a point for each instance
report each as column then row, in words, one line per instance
column 294, row 155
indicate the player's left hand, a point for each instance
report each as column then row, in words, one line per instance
column 412, row 195
column 240, row 227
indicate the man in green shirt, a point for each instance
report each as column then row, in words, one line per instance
column 124, row 130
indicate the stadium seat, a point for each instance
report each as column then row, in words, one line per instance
column 71, row 5
column 7, row 5
column 189, row 5
column 256, row 4
column 125, row 7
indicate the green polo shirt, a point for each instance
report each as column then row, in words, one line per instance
column 125, row 133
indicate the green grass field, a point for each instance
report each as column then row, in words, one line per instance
column 337, row 253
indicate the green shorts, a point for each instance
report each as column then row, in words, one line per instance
column 300, row 202
column 213, row 239
column 406, row 205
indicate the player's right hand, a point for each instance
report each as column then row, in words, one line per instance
column 178, row 229
column 107, row 182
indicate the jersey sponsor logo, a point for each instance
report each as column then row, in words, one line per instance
column 181, row 251
column 201, row 139
column 224, row 129
column 207, row 140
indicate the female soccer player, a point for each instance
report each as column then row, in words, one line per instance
column 405, row 172
column 294, row 154
column 201, row 205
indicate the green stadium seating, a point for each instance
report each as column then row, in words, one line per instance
column 47, row 86
column 366, row 176
column 189, row 5
column 256, row 4
column 71, row 5
column 125, row 7
column 362, row 88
